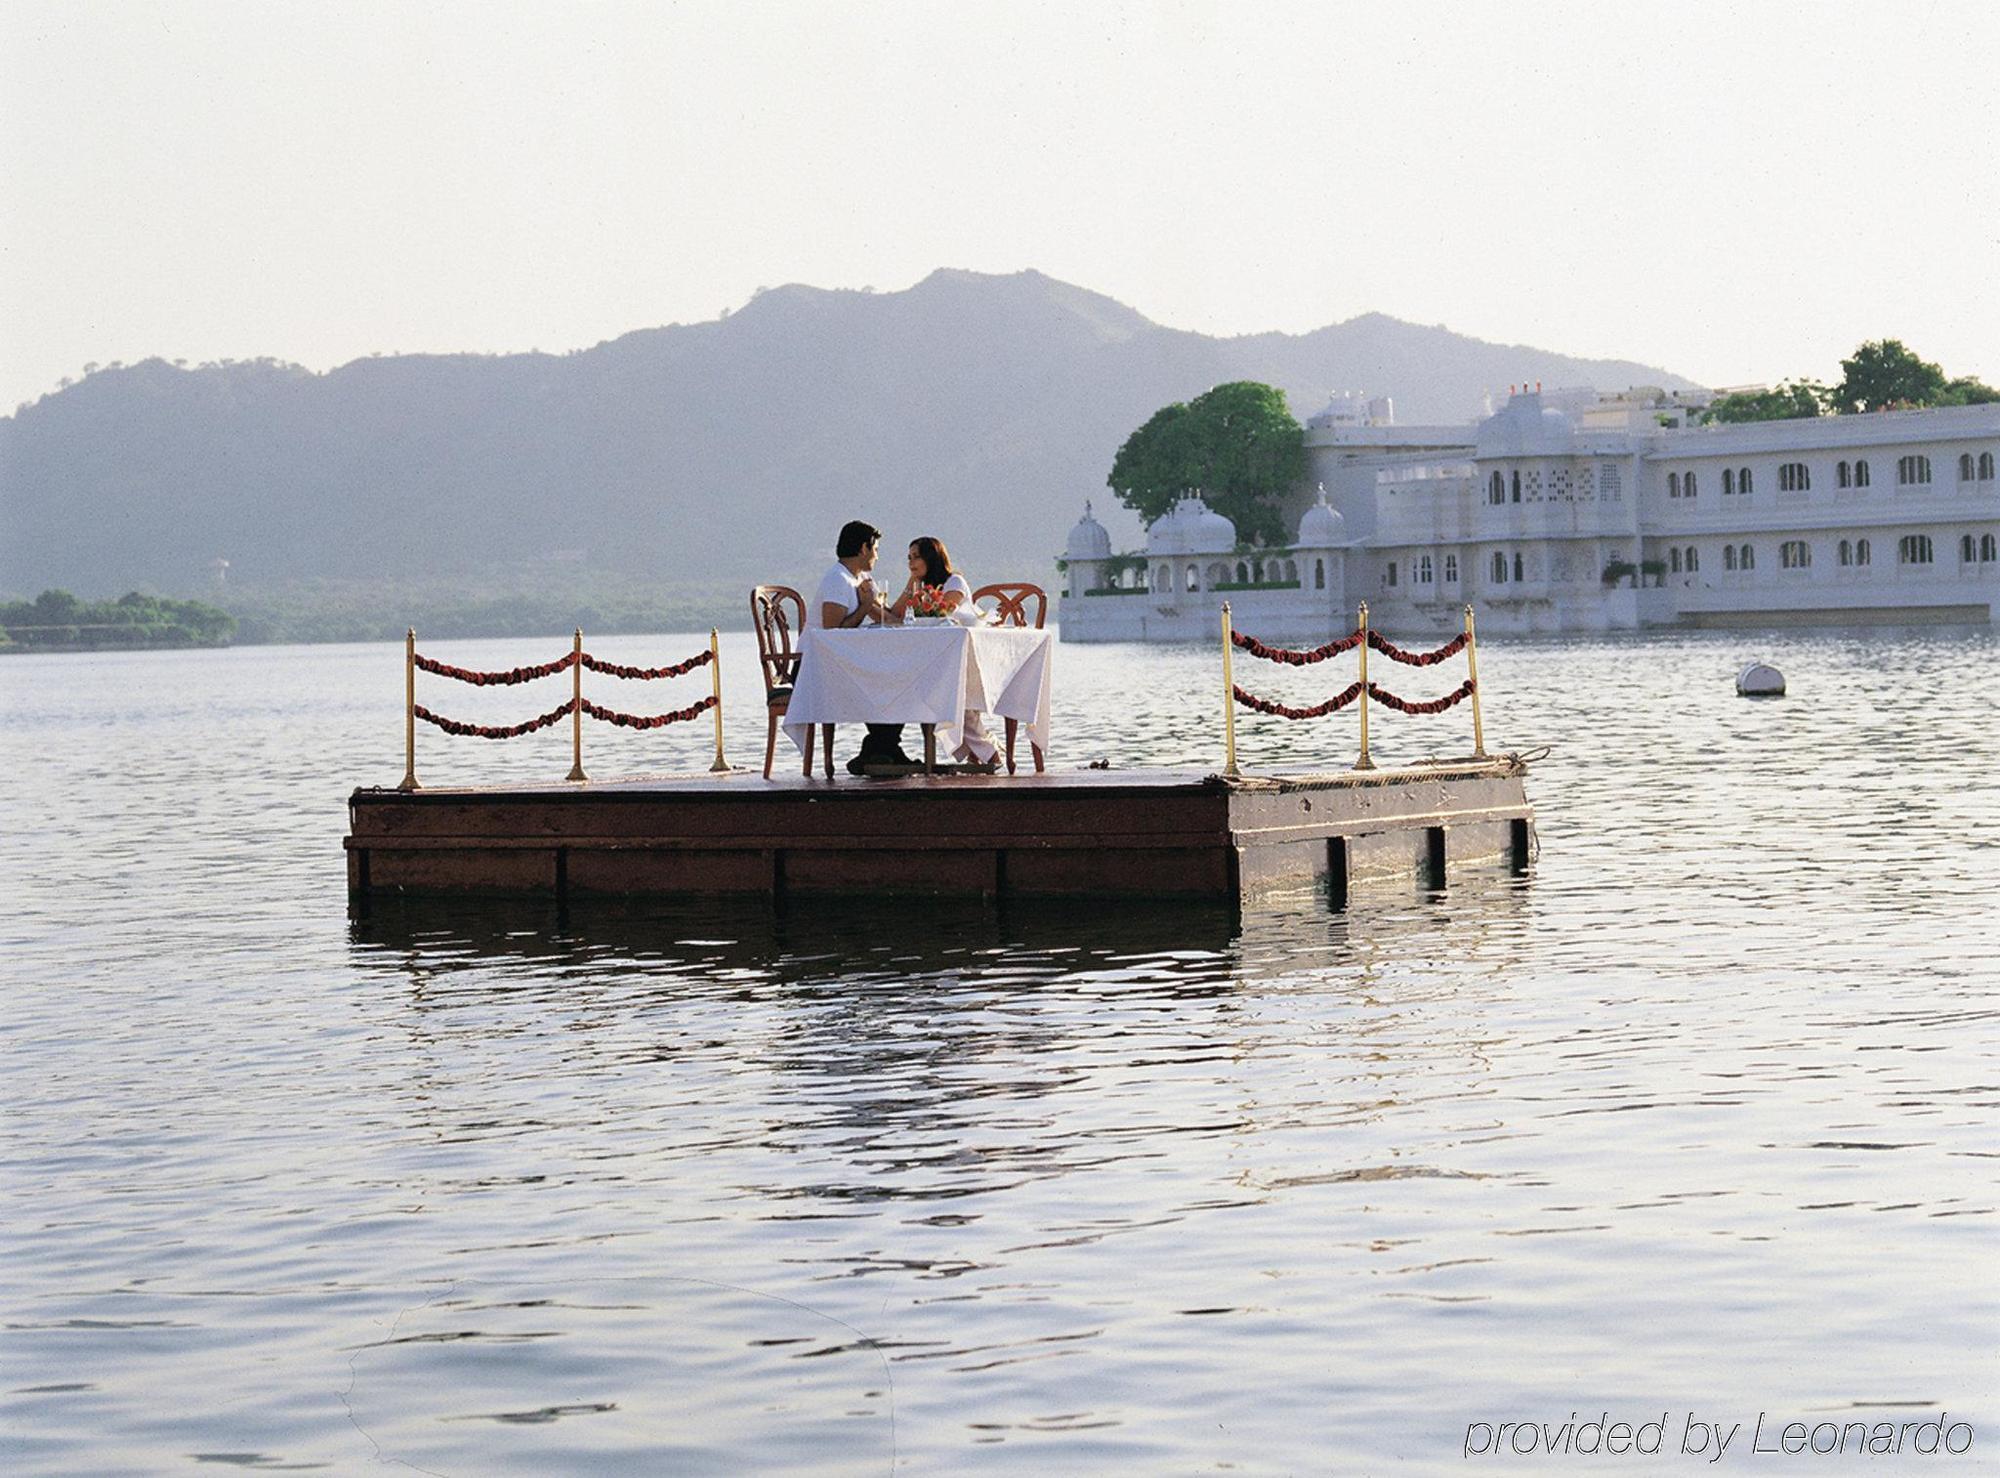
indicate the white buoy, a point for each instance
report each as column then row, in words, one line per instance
column 1760, row 680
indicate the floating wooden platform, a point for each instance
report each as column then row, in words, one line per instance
column 1083, row 833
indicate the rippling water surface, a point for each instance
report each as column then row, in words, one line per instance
column 1698, row 1116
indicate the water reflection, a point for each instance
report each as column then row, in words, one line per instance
column 868, row 959
column 811, row 941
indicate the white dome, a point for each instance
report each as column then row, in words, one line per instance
column 1088, row 539
column 1322, row 527
column 1191, row 528
column 1524, row 427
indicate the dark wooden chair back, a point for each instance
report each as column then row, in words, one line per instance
column 779, row 614
column 1010, row 602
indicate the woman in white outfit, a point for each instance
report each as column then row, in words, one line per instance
column 930, row 564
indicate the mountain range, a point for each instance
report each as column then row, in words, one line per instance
column 984, row 409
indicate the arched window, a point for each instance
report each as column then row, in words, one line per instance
column 1795, row 554
column 1517, row 567
column 1451, row 569
column 1913, row 549
column 1687, row 486
column 1913, row 472
column 1242, row 573
column 1843, row 475
column 1728, row 482
column 1673, row 484
column 1986, row 549
column 1517, row 485
column 1743, row 479
column 1862, row 554
column 1965, row 464
column 1986, row 466
column 1193, row 578
column 1694, row 560
column 1674, row 561
column 1499, row 568
column 1292, row 571
column 1162, row 579
column 1319, row 574
column 1846, row 554
column 1794, row 477
column 1423, row 569
column 1968, row 551
column 1496, row 488
column 1747, row 557
column 1389, row 573
column 1729, row 556
column 1861, row 474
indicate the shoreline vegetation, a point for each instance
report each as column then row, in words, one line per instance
column 56, row 621
column 351, row 611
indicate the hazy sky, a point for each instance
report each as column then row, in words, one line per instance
column 1738, row 192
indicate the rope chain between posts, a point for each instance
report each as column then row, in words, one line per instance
column 1377, row 642
column 513, row 675
column 648, row 721
column 494, row 731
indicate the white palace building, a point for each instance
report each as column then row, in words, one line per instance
column 1579, row 512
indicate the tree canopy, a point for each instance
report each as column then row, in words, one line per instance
column 1237, row 445
column 1882, row 374
column 1789, row 401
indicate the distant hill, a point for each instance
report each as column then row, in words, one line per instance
column 984, row 409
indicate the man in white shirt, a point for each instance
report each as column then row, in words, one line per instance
column 848, row 597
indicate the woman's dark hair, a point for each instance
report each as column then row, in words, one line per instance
column 936, row 558
column 855, row 537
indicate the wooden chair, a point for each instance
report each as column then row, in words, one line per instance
column 1010, row 608
column 776, row 611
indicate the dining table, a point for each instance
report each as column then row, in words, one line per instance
column 930, row 673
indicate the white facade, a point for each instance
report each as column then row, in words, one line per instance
column 1566, row 513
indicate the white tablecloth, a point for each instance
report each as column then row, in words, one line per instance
column 923, row 675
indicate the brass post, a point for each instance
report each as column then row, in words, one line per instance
column 409, row 710
column 1228, row 698
column 576, row 710
column 1364, row 763
column 1472, row 672
column 715, row 670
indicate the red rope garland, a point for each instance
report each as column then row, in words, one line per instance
column 653, row 721
column 1395, row 653
column 486, row 731
column 612, row 669
column 1265, row 705
column 561, row 664
column 1291, row 658
column 491, row 679
column 1437, row 705
column 1341, row 700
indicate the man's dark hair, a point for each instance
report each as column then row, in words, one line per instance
column 855, row 537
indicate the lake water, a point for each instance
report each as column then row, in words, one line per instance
column 1699, row 1117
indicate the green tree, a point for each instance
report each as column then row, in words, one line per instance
column 1237, row 445
column 56, row 607
column 1883, row 373
column 1792, row 400
column 1968, row 390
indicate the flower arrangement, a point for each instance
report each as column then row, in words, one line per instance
column 927, row 600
